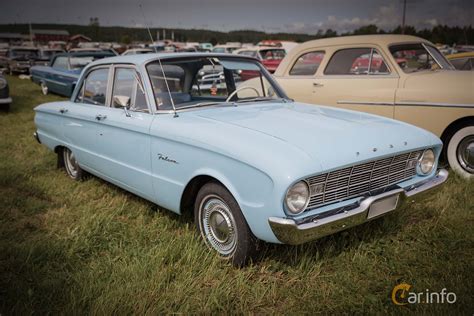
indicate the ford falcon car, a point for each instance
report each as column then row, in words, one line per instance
column 248, row 162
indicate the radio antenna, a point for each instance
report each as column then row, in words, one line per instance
column 159, row 61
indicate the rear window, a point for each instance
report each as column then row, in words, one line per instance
column 307, row 64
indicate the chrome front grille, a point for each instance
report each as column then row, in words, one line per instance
column 361, row 179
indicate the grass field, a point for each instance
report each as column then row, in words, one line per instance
column 89, row 247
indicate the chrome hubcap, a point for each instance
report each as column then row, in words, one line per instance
column 218, row 224
column 70, row 162
column 465, row 153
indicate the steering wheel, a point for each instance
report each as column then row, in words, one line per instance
column 240, row 89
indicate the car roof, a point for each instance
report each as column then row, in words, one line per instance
column 87, row 54
column 381, row 39
column 140, row 59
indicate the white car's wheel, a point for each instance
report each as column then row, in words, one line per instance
column 44, row 88
column 460, row 152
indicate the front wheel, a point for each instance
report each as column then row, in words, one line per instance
column 460, row 152
column 222, row 226
column 72, row 167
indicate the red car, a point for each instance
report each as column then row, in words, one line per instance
column 270, row 57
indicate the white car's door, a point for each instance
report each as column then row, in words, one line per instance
column 298, row 81
column 359, row 79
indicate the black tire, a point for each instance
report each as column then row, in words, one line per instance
column 231, row 238
column 73, row 170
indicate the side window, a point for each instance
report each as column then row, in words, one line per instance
column 94, row 90
column 127, row 92
column 307, row 64
column 60, row 63
column 356, row 61
column 378, row 65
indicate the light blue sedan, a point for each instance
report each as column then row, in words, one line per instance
column 250, row 163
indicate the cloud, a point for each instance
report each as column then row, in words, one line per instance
column 389, row 17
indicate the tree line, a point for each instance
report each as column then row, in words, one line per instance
column 438, row 34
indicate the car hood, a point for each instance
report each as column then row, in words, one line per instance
column 440, row 79
column 305, row 134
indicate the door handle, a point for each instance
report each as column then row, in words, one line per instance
column 317, row 84
column 100, row 117
column 62, row 110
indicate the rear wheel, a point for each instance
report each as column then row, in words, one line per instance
column 44, row 88
column 70, row 164
column 222, row 226
column 460, row 151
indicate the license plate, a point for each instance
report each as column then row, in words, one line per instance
column 383, row 206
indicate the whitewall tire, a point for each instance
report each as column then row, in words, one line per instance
column 460, row 152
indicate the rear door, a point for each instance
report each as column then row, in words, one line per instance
column 81, row 124
column 359, row 79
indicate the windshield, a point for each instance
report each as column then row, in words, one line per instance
column 24, row 53
column 418, row 57
column 195, row 82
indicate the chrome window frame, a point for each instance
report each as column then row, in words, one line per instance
column 114, row 68
column 83, row 81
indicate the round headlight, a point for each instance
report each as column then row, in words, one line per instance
column 297, row 197
column 3, row 83
column 427, row 162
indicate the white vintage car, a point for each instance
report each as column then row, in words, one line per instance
column 397, row 76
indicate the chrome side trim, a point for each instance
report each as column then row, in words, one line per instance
column 448, row 105
column 406, row 103
column 365, row 102
column 294, row 232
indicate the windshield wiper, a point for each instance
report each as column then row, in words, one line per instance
column 201, row 105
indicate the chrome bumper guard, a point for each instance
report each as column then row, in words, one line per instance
column 289, row 231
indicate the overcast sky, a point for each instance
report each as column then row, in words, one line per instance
column 302, row 16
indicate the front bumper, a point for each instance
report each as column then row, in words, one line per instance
column 289, row 231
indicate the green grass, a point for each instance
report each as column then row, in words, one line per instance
column 73, row 247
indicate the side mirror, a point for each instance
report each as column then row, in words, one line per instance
column 121, row 101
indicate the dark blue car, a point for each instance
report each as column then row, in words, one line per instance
column 61, row 75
